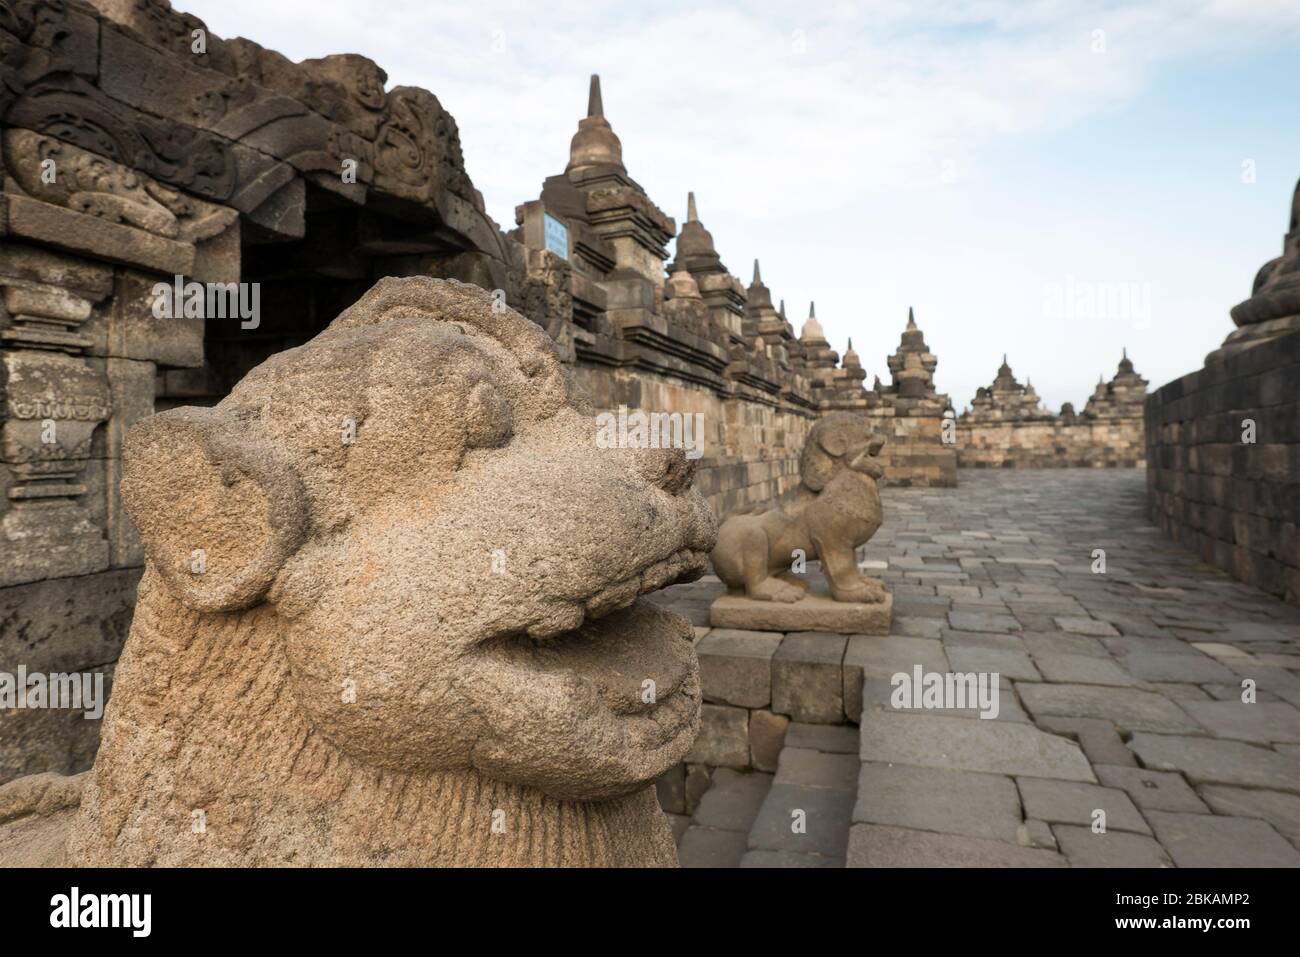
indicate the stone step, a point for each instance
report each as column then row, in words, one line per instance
column 719, row 829
column 805, row 816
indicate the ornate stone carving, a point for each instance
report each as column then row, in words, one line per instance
column 71, row 110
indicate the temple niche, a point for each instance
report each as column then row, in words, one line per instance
column 1007, row 425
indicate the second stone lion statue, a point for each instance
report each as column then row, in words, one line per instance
column 390, row 615
column 835, row 509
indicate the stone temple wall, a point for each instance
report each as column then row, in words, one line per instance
column 1223, row 443
column 750, row 450
column 1008, row 427
column 1235, row 502
column 1052, row 443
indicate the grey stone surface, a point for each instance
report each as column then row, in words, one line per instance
column 814, row 611
column 788, row 859
column 733, row 800
column 1082, row 669
column 916, row 627
column 997, row 747
column 1214, row 761
column 766, row 739
column 1079, row 625
column 723, row 740
column 1260, row 722
column 832, row 739
column 1062, row 643
column 679, row 823
column 982, row 621
column 1074, row 802
column 1192, row 669
column 824, row 814
column 1208, row 840
column 671, row 790
column 710, row 847
column 1098, row 738
column 698, row 779
column 935, row 799
column 1152, row 790
column 1085, row 848
column 1130, row 709
column 869, row 656
column 874, row 845
column 817, row 769
column 808, row 677
column 1278, row 808
column 736, row 666
column 878, row 695
column 1010, row 664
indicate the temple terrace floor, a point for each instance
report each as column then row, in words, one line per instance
column 1121, row 738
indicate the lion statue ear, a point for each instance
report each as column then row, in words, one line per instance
column 218, row 510
column 826, row 444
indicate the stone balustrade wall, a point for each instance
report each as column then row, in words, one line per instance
column 1225, row 488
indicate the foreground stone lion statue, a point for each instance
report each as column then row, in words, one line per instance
column 835, row 509
column 389, row 614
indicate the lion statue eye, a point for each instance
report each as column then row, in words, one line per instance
column 488, row 420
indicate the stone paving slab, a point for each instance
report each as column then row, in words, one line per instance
column 1259, row 722
column 878, row 694
column 1073, row 802
column 1215, row 761
column 1132, row 709
column 1084, row 848
column 823, row 814
column 1279, row 809
column 809, row 768
column 997, row 747
column 711, row 847
column 1209, row 840
column 788, row 859
column 874, row 845
column 832, row 739
column 1082, row 669
column 1152, row 790
column 934, row 799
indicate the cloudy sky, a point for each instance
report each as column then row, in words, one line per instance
column 1053, row 179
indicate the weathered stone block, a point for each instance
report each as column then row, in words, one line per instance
column 724, row 738
column 815, row 612
column 808, row 677
column 766, row 738
column 736, row 666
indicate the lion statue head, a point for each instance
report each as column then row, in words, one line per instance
column 391, row 611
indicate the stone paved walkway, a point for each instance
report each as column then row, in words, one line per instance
column 1120, row 691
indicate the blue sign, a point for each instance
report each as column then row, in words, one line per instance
column 556, row 235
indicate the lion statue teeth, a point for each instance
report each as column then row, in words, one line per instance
column 391, row 614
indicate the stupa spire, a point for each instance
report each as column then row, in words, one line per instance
column 594, row 145
column 691, row 215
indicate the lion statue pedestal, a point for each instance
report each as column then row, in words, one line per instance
column 760, row 555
